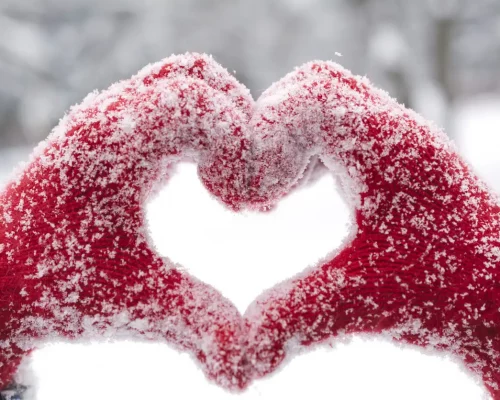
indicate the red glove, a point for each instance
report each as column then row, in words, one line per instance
column 75, row 258
column 423, row 260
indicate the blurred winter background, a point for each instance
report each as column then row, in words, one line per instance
column 440, row 57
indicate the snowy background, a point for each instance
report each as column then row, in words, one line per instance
column 441, row 57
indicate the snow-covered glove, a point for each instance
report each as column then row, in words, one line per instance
column 422, row 263
column 76, row 261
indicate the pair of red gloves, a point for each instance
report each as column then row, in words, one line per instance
column 76, row 261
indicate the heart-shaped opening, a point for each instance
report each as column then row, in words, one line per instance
column 242, row 254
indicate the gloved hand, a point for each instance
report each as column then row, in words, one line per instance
column 76, row 261
column 422, row 262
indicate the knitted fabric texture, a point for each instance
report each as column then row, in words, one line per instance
column 422, row 263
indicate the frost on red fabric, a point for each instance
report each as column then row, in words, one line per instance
column 75, row 259
column 420, row 266
column 422, row 263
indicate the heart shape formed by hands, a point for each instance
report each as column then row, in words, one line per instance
column 420, row 267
